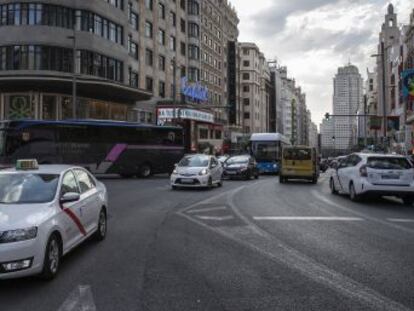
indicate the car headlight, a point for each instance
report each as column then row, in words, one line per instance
column 274, row 165
column 204, row 172
column 18, row 235
column 243, row 168
column 175, row 172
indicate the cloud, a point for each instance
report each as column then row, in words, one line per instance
column 315, row 37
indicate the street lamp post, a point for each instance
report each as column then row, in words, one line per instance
column 74, row 78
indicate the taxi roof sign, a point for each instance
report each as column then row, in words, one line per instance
column 27, row 164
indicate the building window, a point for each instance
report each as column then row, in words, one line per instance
column 148, row 4
column 183, row 71
column 246, row 52
column 246, row 88
column 182, row 4
column 193, row 8
column 182, row 48
column 246, row 101
column 149, row 61
column 172, row 43
column 203, row 133
column 132, row 48
column 161, row 63
column 116, row 3
column 133, row 78
column 19, row 107
column 246, row 76
column 193, row 30
column 148, row 29
column 133, row 18
column 161, row 89
column 193, row 52
column 49, row 107
column 173, row 19
column 246, row 63
column 161, row 37
column 161, row 11
column 149, row 84
column 247, row 115
column 193, row 74
column 182, row 25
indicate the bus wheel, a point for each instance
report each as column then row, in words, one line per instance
column 145, row 171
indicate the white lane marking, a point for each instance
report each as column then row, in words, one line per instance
column 223, row 218
column 307, row 266
column 205, row 210
column 403, row 220
column 308, row 218
column 80, row 299
column 360, row 214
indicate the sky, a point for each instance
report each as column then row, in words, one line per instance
column 315, row 37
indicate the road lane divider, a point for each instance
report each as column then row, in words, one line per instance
column 402, row 220
column 330, row 202
column 308, row 218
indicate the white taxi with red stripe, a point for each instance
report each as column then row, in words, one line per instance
column 46, row 211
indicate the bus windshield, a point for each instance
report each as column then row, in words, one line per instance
column 265, row 151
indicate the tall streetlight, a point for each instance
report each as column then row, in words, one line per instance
column 74, row 81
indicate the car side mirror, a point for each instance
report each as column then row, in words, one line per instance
column 70, row 197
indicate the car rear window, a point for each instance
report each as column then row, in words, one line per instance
column 298, row 154
column 383, row 163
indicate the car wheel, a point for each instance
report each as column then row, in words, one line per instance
column 127, row 176
column 248, row 176
column 332, row 186
column 314, row 180
column 145, row 171
column 51, row 262
column 220, row 183
column 100, row 233
column 408, row 201
column 256, row 176
column 352, row 193
column 174, row 187
column 281, row 179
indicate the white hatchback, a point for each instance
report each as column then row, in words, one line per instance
column 363, row 174
column 45, row 211
column 197, row 170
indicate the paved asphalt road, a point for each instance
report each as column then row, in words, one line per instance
column 255, row 245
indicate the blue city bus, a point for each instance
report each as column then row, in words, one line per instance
column 103, row 147
column 267, row 150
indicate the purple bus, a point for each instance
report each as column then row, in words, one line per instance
column 102, row 147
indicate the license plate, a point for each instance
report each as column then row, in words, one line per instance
column 231, row 173
column 187, row 181
column 391, row 176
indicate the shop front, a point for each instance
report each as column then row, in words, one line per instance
column 202, row 134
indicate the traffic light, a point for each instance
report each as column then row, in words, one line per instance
column 327, row 116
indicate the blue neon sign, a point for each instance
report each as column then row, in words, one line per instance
column 194, row 90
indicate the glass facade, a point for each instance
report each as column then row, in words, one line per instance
column 39, row 57
column 46, row 106
column 15, row 14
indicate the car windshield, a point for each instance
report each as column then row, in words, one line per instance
column 238, row 160
column 384, row 163
column 27, row 188
column 194, row 161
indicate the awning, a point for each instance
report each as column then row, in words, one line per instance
column 90, row 88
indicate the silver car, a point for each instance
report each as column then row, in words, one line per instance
column 198, row 170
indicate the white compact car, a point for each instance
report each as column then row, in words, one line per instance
column 45, row 211
column 374, row 174
column 197, row 170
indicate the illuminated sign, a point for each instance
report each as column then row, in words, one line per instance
column 185, row 114
column 408, row 83
column 194, row 91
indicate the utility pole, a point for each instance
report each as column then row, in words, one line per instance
column 384, row 94
column 365, row 120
